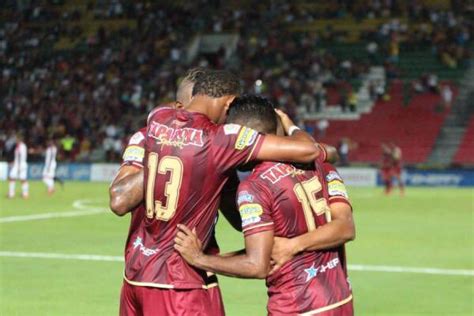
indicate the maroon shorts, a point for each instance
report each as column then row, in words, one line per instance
column 149, row 301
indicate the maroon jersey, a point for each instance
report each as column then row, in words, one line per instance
column 387, row 160
column 188, row 160
column 291, row 202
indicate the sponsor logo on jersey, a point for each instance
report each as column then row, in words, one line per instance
column 280, row 171
column 138, row 243
column 312, row 271
column 231, row 129
column 176, row 137
column 136, row 138
column 333, row 175
column 250, row 213
column 337, row 188
column 247, row 137
column 244, row 196
column 134, row 153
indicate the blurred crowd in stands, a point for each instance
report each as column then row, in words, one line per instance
column 92, row 96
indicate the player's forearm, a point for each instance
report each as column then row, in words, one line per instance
column 236, row 265
column 332, row 234
column 126, row 193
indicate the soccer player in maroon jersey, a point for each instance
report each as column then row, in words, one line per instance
column 396, row 153
column 391, row 167
column 188, row 160
column 337, row 232
column 126, row 191
column 279, row 199
column 386, row 168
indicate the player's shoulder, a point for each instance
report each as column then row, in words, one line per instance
column 138, row 137
column 251, row 189
column 330, row 172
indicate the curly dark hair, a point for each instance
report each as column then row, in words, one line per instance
column 194, row 74
column 253, row 111
column 216, row 84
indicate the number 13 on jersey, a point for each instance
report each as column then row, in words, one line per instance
column 167, row 165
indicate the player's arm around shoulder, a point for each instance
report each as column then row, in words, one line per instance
column 299, row 146
column 254, row 262
column 126, row 190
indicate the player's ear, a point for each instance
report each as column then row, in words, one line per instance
column 228, row 101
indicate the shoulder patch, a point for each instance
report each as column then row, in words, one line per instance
column 134, row 153
column 250, row 213
column 247, row 137
column 333, row 175
column 136, row 138
column 337, row 188
column 245, row 197
column 230, row 129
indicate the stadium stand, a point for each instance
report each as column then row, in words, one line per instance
column 415, row 131
column 90, row 71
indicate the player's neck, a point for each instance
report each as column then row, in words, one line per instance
column 200, row 104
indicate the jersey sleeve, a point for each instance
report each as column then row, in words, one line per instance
column 135, row 151
column 336, row 188
column 322, row 158
column 234, row 145
column 255, row 208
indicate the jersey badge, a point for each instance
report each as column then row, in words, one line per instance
column 336, row 187
column 134, row 153
column 250, row 213
column 244, row 196
column 312, row 271
column 231, row 129
column 136, row 138
column 247, row 137
column 333, row 175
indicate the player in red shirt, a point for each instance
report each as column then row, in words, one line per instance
column 279, row 199
column 391, row 167
column 386, row 168
column 336, row 233
column 189, row 159
column 126, row 194
column 396, row 153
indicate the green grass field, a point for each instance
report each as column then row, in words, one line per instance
column 428, row 228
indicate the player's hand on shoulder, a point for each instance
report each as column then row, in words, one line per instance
column 285, row 120
column 284, row 249
column 188, row 244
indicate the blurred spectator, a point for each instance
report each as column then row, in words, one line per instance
column 343, row 151
column 352, row 101
column 322, row 125
column 67, row 147
column 59, row 78
column 447, row 95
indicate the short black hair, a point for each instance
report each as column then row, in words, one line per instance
column 216, row 84
column 188, row 81
column 253, row 111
